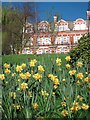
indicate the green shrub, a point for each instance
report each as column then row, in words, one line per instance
column 82, row 51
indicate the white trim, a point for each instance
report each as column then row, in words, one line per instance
column 62, row 20
column 79, row 19
column 43, row 22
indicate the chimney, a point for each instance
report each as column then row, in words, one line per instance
column 88, row 17
column 55, row 19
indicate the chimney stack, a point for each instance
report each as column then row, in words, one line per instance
column 55, row 19
column 88, row 17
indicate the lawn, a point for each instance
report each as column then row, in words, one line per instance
column 44, row 86
column 16, row 59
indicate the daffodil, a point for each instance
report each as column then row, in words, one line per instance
column 24, row 86
column 27, row 75
column 12, row 94
column 84, row 106
column 13, row 74
column 75, row 107
column 68, row 58
column 23, row 65
column 58, row 62
column 63, row 104
column 78, row 82
column 86, row 79
column 35, row 106
column 81, row 98
column 37, row 76
column 80, row 75
column 40, row 68
column 33, row 62
column 79, row 64
column 44, row 93
column 72, row 72
column 88, row 86
column 7, row 71
column 68, row 66
column 7, row 65
column 2, row 76
column 56, row 81
column 40, row 118
column 19, row 68
column 64, row 113
column 22, row 76
column 18, row 80
column 63, row 80
column 55, row 86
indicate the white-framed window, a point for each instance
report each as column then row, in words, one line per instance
column 57, row 40
column 61, row 40
column 79, row 26
column 62, row 50
column 76, row 38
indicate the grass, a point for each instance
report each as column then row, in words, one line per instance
column 17, row 59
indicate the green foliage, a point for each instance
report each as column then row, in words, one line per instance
column 82, row 51
column 13, row 21
column 11, row 30
column 17, row 59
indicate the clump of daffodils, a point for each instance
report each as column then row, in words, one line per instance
column 25, row 75
column 52, row 86
column 72, row 72
column 37, row 76
column 75, row 107
column 54, row 79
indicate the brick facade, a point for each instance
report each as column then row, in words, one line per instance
column 56, row 37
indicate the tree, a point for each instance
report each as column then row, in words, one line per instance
column 82, row 51
column 14, row 19
column 29, row 14
column 11, row 28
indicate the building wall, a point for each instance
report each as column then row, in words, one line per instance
column 62, row 41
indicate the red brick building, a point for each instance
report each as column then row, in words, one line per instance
column 58, row 36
